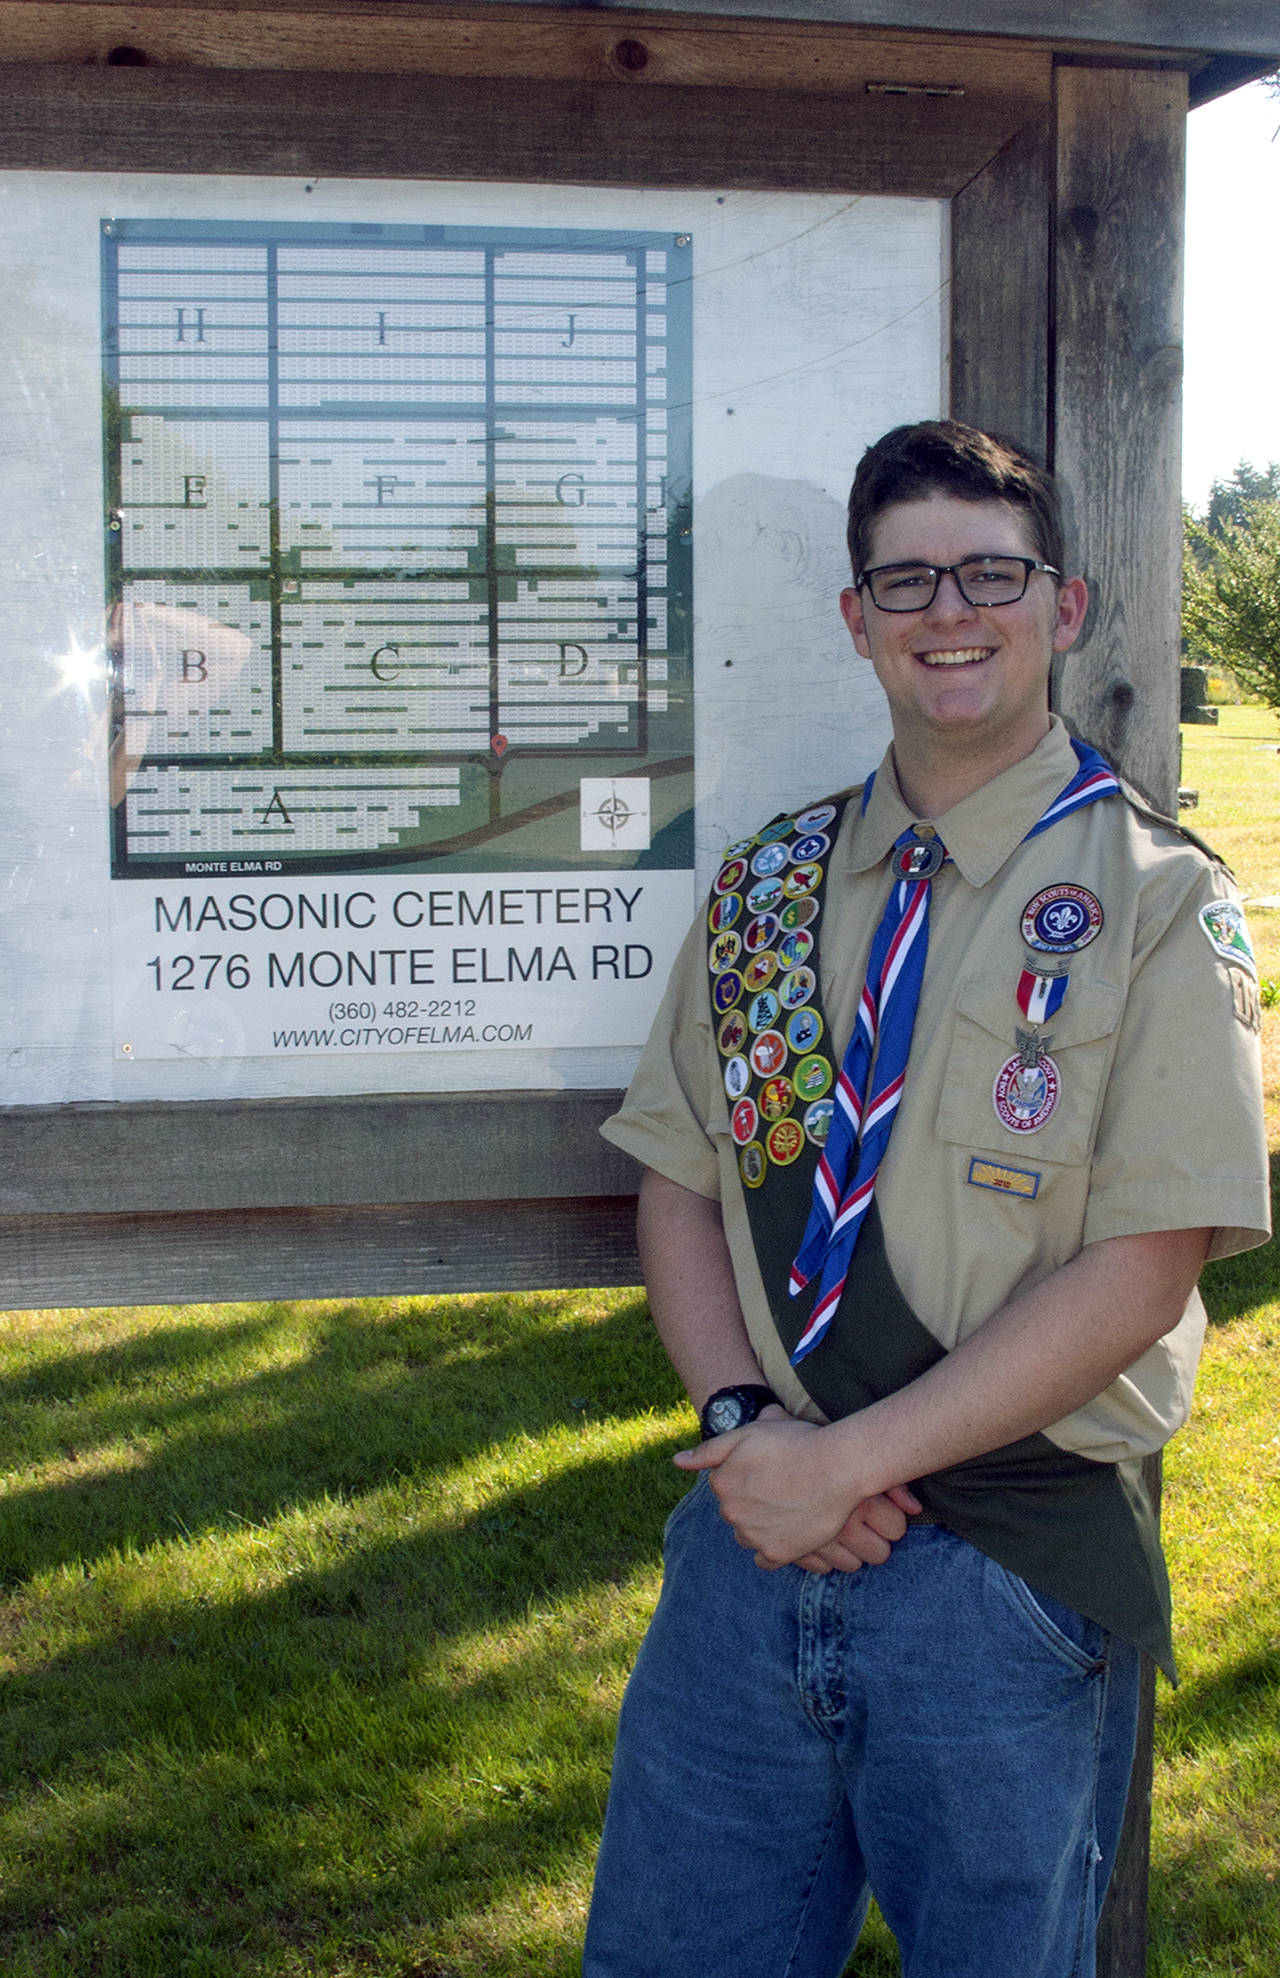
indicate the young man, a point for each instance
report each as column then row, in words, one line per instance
column 954, row 1088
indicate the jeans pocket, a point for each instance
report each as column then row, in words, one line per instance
column 1073, row 1637
column 696, row 1491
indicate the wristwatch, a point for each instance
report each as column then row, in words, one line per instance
column 733, row 1407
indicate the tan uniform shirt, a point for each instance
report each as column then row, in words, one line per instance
column 1159, row 1122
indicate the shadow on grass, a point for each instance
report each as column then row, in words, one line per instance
column 383, row 1747
column 372, row 1404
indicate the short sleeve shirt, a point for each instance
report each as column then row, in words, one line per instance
column 1158, row 1122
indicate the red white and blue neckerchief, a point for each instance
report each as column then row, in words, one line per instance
column 866, row 1101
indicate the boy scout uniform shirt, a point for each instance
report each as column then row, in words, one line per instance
column 1158, row 1123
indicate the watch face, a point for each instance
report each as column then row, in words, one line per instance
column 724, row 1413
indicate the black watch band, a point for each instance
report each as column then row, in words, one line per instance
column 733, row 1407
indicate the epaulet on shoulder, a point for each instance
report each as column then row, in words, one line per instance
column 1146, row 809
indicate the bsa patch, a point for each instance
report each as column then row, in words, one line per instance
column 732, row 1034
column 817, row 1120
column 768, row 860
column 782, row 827
column 795, row 948
column 725, row 950
column 764, row 896
column 1061, row 920
column 737, row 1073
column 768, row 1053
column 797, row 988
column 730, row 875
column 801, row 880
column 724, row 912
column 815, row 845
column 1028, row 1086
column 816, row 819
column 1224, row 926
column 760, row 932
column 804, row 1029
column 760, row 970
column 777, row 1097
column 813, row 1077
column 762, row 1010
column 799, row 913
column 726, row 991
column 752, row 1165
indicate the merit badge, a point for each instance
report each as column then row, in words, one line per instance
column 724, row 912
column 799, row 913
column 730, row 875
column 918, row 860
column 768, row 1054
column 813, row 1077
column 1061, row 920
column 768, row 860
column 784, row 1141
column 726, row 989
column 816, row 819
column 1027, row 1087
column 760, row 932
column 744, row 1121
column 801, row 880
column 732, row 1034
column 812, row 846
column 737, row 1074
column 765, row 895
column 804, row 1029
column 740, row 850
column 762, row 1010
column 760, row 970
column 795, row 948
column 817, row 1120
column 751, row 1164
column 782, row 827
column 798, row 987
column 1224, row 924
column 777, row 1097
column 725, row 950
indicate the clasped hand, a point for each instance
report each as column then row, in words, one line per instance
column 775, row 1485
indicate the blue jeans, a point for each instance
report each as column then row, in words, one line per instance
column 790, row 1743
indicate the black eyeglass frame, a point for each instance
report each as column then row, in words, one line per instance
column 1030, row 564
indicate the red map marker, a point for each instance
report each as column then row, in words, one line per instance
column 498, row 743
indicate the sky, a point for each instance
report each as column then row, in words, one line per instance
column 1231, row 391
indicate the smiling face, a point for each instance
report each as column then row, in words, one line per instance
column 963, row 681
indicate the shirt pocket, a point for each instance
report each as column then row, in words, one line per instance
column 1079, row 1038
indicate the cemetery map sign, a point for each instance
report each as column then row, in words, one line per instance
column 398, row 547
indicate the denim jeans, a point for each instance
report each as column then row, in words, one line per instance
column 790, row 1743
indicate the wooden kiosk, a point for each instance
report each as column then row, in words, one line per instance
column 1048, row 137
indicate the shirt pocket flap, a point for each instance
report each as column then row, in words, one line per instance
column 1078, row 1038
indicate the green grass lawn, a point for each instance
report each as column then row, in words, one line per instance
column 314, row 1618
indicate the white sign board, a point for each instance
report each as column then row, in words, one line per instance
column 411, row 588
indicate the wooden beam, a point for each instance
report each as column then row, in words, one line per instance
column 1000, row 292
column 1117, row 406
column 400, row 1248
column 323, row 124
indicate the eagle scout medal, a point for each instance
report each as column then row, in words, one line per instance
column 1028, row 1086
column 1061, row 920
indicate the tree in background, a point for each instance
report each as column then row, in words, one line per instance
column 1231, row 581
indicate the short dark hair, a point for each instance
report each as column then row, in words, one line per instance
column 941, row 456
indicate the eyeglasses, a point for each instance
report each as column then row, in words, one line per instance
column 982, row 580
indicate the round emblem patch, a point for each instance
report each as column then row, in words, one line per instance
column 798, row 987
column 724, row 912
column 804, row 1029
column 763, row 896
column 813, row 1077
column 811, row 846
column 817, row 1120
column 768, row 1054
column 784, row 1141
column 777, row 1097
column 1024, row 1095
column 918, row 860
column 795, row 948
column 762, row 1010
column 781, row 828
column 730, row 875
column 816, row 819
column 1061, row 920
column 725, row 950
column 760, row 970
column 740, row 850
column 798, row 913
column 732, row 1034
column 752, row 1165
column 760, row 932
column 737, row 1075
column 768, row 860
column 744, row 1121
column 726, row 989
column 801, row 880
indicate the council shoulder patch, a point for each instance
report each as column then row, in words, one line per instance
column 1224, row 926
